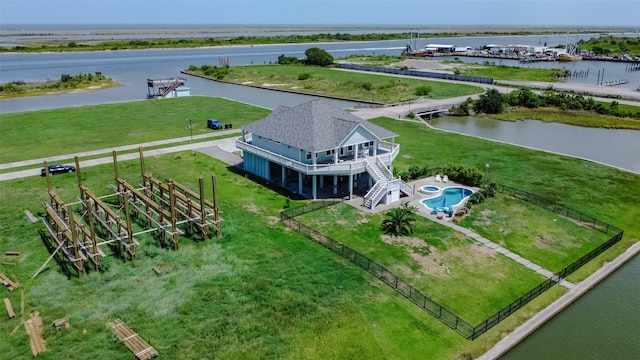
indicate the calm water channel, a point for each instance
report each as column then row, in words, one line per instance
column 603, row 324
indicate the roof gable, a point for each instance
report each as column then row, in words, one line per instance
column 312, row 126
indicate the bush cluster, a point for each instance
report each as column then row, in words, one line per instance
column 492, row 102
column 218, row 72
column 414, row 172
column 485, row 192
column 463, row 174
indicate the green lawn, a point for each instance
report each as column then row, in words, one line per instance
column 261, row 290
column 76, row 129
column 343, row 84
column 463, row 276
column 503, row 72
column 538, row 235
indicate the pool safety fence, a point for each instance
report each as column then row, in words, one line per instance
column 446, row 316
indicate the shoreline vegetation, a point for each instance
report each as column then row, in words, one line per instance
column 66, row 83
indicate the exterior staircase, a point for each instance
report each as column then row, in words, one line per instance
column 379, row 189
column 171, row 87
column 384, row 181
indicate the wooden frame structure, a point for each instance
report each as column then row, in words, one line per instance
column 164, row 205
column 170, row 204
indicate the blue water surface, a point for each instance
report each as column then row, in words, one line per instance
column 450, row 197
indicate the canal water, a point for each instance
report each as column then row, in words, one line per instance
column 619, row 148
column 603, row 324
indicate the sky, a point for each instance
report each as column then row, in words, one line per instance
column 423, row 13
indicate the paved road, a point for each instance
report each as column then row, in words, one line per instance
column 228, row 144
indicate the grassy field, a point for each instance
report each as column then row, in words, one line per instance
column 571, row 117
column 69, row 130
column 503, row 72
column 343, row 84
column 442, row 263
column 261, row 290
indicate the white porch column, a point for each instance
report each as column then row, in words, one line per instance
column 284, row 176
column 335, row 156
column 243, row 137
column 355, row 152
column 335, row 184
column 350, row 186
column 314, row 190
column 376, row 143
column 321, row 181
column 314, row 156
column 300, row 183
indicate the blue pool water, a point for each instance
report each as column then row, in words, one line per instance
column 430, row 188
column 450, row 197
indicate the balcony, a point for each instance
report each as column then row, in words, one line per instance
column 386, row 152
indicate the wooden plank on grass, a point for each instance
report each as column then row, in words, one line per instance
column 7, row 282
column 10, row 312
column 34, row 327
column 32, row 218
column 140, row 348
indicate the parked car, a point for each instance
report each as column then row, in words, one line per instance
column 58, row 169
column 214, row 124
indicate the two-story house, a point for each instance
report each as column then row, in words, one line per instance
column 316, row 147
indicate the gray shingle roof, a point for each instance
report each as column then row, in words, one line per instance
column 312, row 126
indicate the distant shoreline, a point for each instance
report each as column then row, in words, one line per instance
column 132, row 29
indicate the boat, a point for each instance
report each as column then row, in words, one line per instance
column 569, row 57
column 570, row 53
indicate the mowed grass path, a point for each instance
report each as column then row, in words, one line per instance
column 344, row 84
column 36, row 134
column 469, row 279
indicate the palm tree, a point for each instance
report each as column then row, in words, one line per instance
column 399, row 221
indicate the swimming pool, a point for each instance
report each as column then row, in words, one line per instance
column 450, row 197
column 429, row 189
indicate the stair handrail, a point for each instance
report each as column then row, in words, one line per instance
column 384, row 168
column 372, row 191
column 408, row 189
column 371, row 170
column 171, row 87
column 378, row 196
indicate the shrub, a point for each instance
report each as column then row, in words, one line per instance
column 467, row 175
column 422, row 91
column 304, row 76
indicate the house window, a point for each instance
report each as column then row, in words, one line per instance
column 329, row 152
column 350, row 148
column 308, row 156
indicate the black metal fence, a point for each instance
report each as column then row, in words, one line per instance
column 452, row 320
column 416, row 296
column 427, row 74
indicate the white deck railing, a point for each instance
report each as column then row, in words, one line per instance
column 342, row 168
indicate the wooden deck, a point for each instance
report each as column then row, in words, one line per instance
column 140, row 348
